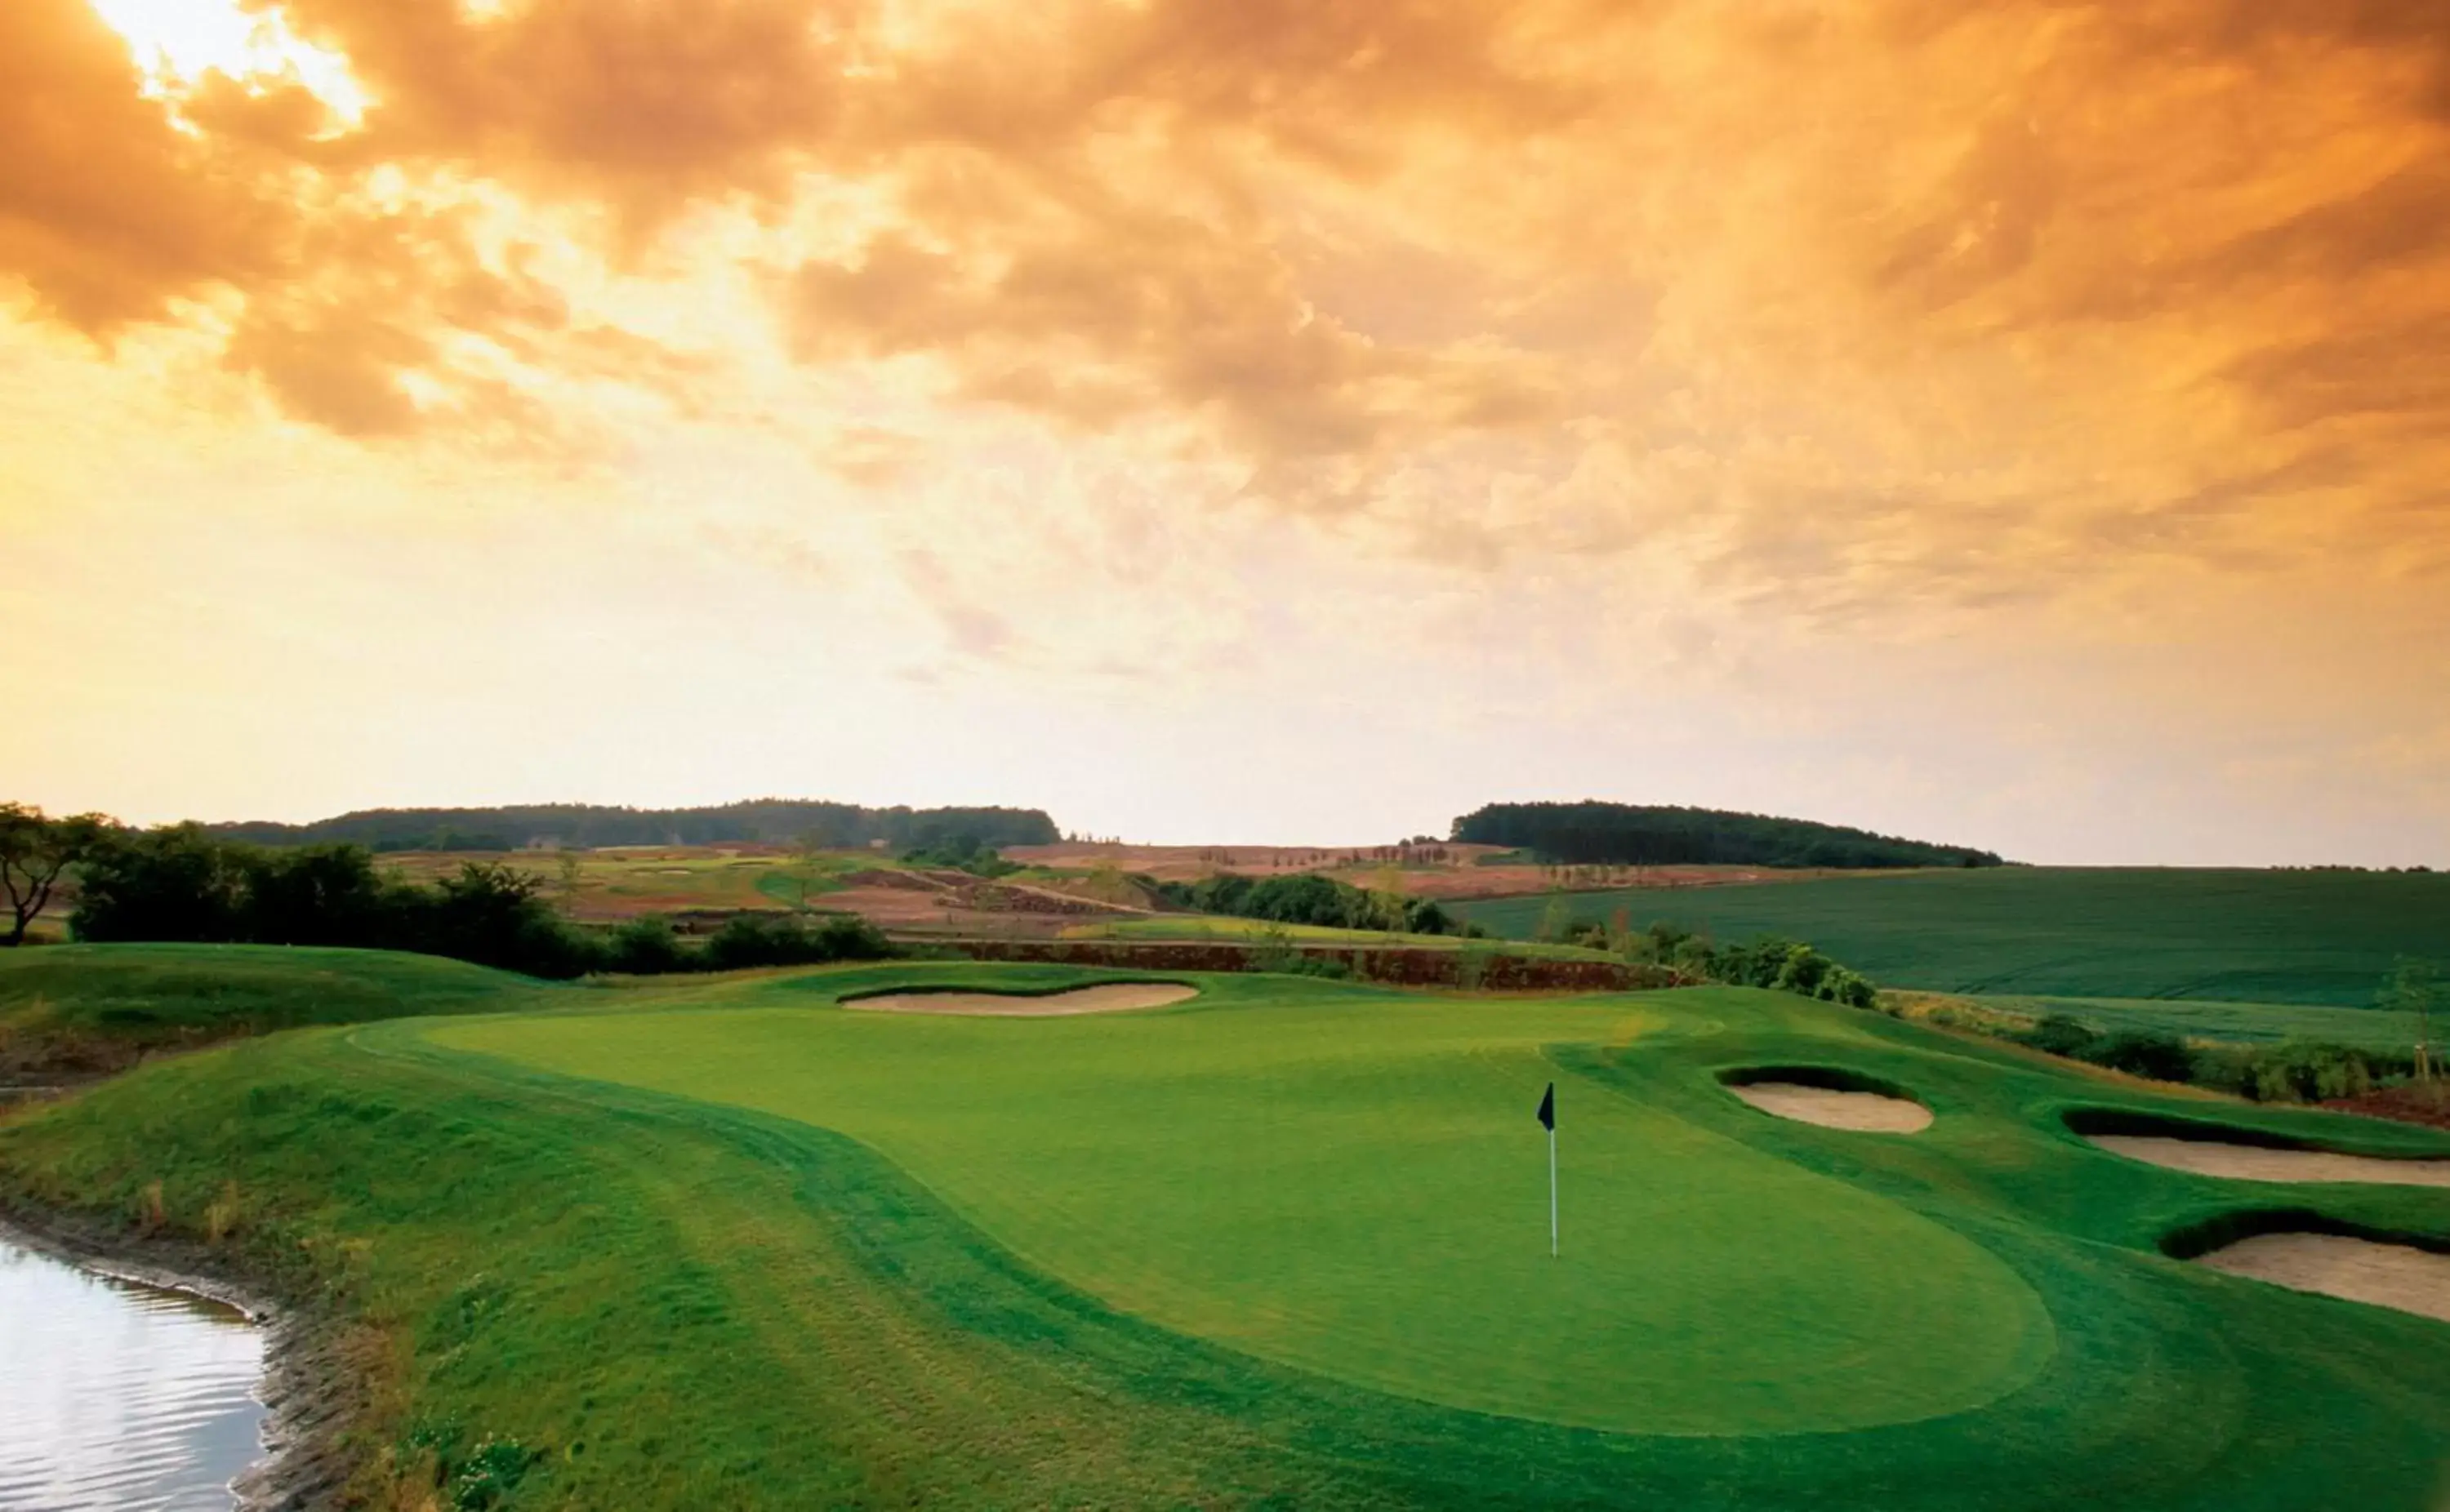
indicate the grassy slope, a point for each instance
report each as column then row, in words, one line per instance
column 687, row 1304
column 2317, row 937
column 100, row 1006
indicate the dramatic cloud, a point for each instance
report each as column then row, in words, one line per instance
column 2044, row 322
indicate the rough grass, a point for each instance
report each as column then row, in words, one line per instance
column 2233, row 1022
column 2309, row 937
column 97, row 1007
column 686, row 1301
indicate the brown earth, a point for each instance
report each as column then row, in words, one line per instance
column 2384, row 1275
column 2426, row 1103
column 1120, row 996
column 2206, row 1157
column 1863, row 1111
column 1442, row 871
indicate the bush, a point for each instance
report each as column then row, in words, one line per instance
column 646, row 946
column 764, row 939
column 2061, row 1034
column 2143, row 1052
column 963, row 852
column 1306, row 898
column 180, row 883
column 2311, row 1071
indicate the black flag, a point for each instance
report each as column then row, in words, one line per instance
column 1547, row 1113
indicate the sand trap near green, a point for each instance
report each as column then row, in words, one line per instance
column 1352, row 1182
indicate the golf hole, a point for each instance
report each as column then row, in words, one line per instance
column 1106, row 997
column 2239, row 1154
column 1830, row 1097
column 2305, row 1252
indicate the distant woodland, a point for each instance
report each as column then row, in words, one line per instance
column 1630, row 834
column 762, row 819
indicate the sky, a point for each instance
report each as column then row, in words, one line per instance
column 2024, row 423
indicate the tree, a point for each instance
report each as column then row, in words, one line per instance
column 2418, row 987
column 35, row 852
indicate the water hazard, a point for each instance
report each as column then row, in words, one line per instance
column 120, row 1396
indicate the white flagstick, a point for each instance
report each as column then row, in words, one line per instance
column 1552, row 1192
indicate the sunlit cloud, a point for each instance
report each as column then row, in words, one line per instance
column 1574, row 357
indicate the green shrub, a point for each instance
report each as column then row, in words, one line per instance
column 2061, row 1034
column 766, row 940
column 2143, row 1052
column 646, row 946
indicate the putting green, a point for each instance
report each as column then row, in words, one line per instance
column 1352, row 1182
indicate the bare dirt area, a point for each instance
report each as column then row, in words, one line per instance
column 1861, row 1111
column 2204, row 1157
column 2384, row 1275
column 1113, row 998
column 1191, row 863
column 2427, row 1103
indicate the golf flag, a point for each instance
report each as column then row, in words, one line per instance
column 1547, row 1116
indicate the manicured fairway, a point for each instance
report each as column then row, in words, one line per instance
column 2324, row 937
column 1353, row 1183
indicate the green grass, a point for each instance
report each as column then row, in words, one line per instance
column 2314, row 937
column 2235, row 1022
column 1353, row 1184
column 718, row 1243
column 107, row 1002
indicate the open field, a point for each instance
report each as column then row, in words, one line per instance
column 716, row 1241
column 2312, row 937
column 2231, row 1023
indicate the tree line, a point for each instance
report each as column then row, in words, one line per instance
column 1308, row 897
column 182, row 882
column 763, row 820
column 1629, row 834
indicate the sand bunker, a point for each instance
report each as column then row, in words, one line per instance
column 1865, row 1112
column 1113, row 998
column 2206, row 1157
column 2387, row 1276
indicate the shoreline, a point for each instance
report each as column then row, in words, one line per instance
column 308, row 1390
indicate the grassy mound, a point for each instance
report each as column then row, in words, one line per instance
column 724, row 1244
column 71, row 1009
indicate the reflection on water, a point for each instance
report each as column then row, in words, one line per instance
column 120, row 1396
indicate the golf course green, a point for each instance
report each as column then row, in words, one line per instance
column 1352, row 1182
column 723, row 1242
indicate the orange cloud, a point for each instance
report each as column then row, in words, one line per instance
column 1956, row 303
column 106, row 212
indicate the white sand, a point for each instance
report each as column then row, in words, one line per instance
column 1865, row 1112
column 2207, row 1157
column 2387, row 1276
column 1112, row 999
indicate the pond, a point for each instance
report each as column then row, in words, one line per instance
column 118, row 1395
